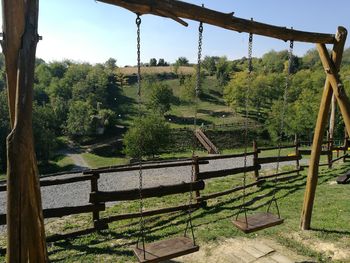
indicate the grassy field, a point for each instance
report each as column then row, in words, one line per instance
column 212, row 108
column 95, row 161
column 330, row 223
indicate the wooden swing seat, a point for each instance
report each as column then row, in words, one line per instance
column 165, row 249
column 257, row 222
column 344, row 179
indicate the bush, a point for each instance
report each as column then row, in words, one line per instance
column 147, row 137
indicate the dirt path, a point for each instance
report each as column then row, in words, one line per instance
column 75, row 154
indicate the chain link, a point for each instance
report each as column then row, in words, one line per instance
column 250, row 80
column 285, row 98
column 142, row 221
column 281, row 128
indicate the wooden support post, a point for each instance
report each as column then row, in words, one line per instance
column 195, row 168
column 337, row 87
column 94, row 189
column 26, row 240
column 330, row 150
column 345, row 144
column 312, row 178
column 297, row 163
column 255, row 159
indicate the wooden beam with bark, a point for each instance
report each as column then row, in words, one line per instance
column 177, row 9
column 320, row 128
column 25, row 225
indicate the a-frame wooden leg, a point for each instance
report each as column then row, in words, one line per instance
column 312, row 177
column 25, row 224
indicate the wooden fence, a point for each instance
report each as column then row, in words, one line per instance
column 98, row 199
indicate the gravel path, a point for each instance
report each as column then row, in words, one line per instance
column 76, row 194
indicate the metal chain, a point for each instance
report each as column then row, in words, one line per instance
column 250, row 80
column 285, row 97
column 197, row 89
column 142, row 221
column 281, row 128
column 198, row 75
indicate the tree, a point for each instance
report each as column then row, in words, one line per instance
column 209, row 64
column 111, row 63
column 79, row 120
column 162, row 63
column 153, row 62
column 182, row 61
column 44, row 127
column 188, row 89
column 147, row 137
column 222, row 71
column 160, row 97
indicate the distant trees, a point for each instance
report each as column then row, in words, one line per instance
column 182, row 61
column 147, row 137
column 153, row 62
column 161, row 62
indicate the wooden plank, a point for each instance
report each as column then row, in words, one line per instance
column 308, row 152
column 57, row 181
column 236, row 189
column 226, row 156
column 257, row 222
column 226, row 172
column 149, row 213
column 253, row 251
column 164, row 250
column 175, row 9
column 276, row 147
column 339, row 158
column 263, row 248
column 134, row 194
column 136, row 167
column 343, row 179
column 64, row 211
column 275, row 159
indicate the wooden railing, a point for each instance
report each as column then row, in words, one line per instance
column 98, row 199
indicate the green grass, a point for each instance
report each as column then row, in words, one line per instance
column 59, row 163
column 95, row 161
column 330, row 220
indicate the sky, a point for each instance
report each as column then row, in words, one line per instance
column 89, row 31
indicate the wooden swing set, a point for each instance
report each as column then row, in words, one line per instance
column 25, row 224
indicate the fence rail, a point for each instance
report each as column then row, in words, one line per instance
column 97, row 200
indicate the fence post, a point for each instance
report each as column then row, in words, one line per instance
column 346, row 144
column 96, row 214
column 195, row 167
column 330, row 150
column 297, row 163
column 255, row 159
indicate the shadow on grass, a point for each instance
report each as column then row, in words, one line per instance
column 175, row 223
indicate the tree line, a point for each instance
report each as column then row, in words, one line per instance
column 78, row 99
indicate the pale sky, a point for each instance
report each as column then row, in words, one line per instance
column 89, row 31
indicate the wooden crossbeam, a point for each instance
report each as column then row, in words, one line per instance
column 177, row 9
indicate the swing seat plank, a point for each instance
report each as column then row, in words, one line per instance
column 344, row 179
column 257, row 222
column 165, row 249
